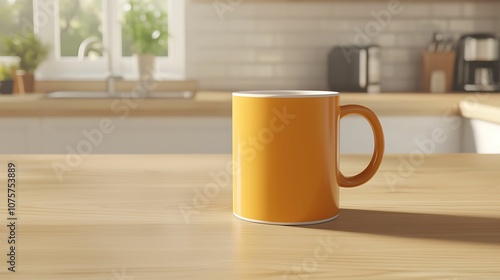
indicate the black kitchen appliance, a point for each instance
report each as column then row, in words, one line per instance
column 354, row 68
column 477, row 66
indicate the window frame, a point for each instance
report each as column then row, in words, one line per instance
column 46, row 25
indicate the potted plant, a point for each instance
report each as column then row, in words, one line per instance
column 146, row 25
column 31, row 52
column 6, row 79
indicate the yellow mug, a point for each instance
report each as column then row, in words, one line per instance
column 286, row 155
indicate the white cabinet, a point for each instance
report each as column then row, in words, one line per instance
column 203, row 135
column 137, row 135
column 403, row 135
column 20, row 135
column 483, row 136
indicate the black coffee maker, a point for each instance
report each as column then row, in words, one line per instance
column 477, row 66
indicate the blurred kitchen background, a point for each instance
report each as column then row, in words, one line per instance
column 155, row 76
column 285, row 44
column 242, row 44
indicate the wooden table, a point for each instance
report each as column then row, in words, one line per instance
column 169, row 217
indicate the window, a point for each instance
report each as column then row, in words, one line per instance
column 13, row 15
column 16, row 17
column 87, row 39
column 126, row 38
column 80, row 28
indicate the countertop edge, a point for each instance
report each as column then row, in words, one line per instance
column 218, row 104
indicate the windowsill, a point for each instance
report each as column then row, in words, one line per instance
column 99, row 84
column 80, row 72
column 103, row 77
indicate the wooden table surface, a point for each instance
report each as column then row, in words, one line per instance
column 169, row 217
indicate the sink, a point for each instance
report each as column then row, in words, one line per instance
column 121, row 95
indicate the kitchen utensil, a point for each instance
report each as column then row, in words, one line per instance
column 286, row 157
column 438, row 81
column 448, row 46
column 478, row 63
column 437, row 71
column 436, row 42
column 354, row 68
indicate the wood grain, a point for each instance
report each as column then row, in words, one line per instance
column 219, row 104
column 120, row 217
column 480, row 111
column 36, row 105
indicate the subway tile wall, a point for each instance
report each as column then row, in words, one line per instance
column 277, row 45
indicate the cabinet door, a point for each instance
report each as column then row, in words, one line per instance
column 483, row 137
column 20, row 135
column 137, row 135
column 403, row 135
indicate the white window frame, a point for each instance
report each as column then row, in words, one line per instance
column 46, row 25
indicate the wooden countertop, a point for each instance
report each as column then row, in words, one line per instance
column 33, row 105
column 121, row 217
column 480, row 111
column 219, row 104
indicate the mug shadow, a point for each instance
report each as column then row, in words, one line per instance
column 416, row 225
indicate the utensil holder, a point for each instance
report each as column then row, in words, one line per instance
column 435, row 64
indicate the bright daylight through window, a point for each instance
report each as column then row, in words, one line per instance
column 89, row 39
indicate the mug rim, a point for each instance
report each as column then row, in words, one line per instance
column 285, row 93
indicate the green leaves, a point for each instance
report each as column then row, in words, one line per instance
column 30, row 50
column 7, row 72
column 147, row 27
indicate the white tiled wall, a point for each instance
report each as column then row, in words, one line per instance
column 284, row 45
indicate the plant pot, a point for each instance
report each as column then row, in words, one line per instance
column 6, row 86
column 25, row 81
column 146, row 65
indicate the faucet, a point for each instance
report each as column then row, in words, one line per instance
column 84, row 45
column 111, row 83
column 111, row 78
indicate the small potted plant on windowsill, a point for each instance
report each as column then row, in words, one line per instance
column 147, row 26
column 6, row 79
column 31, row 52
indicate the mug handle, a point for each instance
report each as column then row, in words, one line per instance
column 378, row 150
